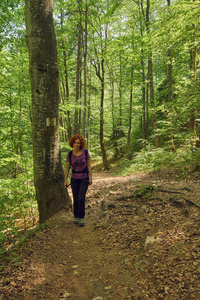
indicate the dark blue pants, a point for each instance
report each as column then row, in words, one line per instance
column 79, row 189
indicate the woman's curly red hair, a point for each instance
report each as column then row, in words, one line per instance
column 75, row 137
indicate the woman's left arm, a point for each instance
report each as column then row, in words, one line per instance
column 90, row 171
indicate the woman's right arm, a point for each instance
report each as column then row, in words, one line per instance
column 66, row 173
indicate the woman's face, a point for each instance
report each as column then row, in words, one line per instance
column 77, row 144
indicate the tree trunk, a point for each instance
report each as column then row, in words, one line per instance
column 89, row 111
column 193, row 67
column 85, row 75
column 78, row 68
column 145, row 86
column 170, row 95
column 193, row 86
column 130, row 113
column 14, row 167
column 150, row 78
column 112, row 89
column 120, row 104
column 48, row 172
column 153, row 114
column 103, row 151
column 66, row 90
column 169, row 75
column 145, row 120
column 100, row 72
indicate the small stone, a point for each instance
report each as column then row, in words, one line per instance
column 107, row 288
column 74, row 267
column 75, row 273
column 151, row 239
column 98, row 298
column 66, row 295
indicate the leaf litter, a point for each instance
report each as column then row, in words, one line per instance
column 141, row 240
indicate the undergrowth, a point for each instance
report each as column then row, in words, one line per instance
column 155, row 160
column 18, row 211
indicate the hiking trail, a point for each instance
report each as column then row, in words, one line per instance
column 141, row 240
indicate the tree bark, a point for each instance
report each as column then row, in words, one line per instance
column 144, row 84
column 170, row 96
column 48, row 171
column 130, row 112
column 153, row 114
column 103, row 151
column 78, row 71
column 150, row 78
column 85, row 74
column 112, row 89
column 193, row 67
column 145, row 107
column 120, row 103
column 169, row 75
column 100, row 72
column 66, row 89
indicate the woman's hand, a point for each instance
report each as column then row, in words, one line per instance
column 90, row 171
column 65, row 184
column 66, row 174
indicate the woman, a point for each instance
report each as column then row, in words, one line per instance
column 81, row 176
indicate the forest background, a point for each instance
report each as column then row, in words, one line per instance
column 129, row 83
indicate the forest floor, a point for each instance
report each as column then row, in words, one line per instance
column 141, row 240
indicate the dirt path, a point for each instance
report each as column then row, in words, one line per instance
column 138, row 242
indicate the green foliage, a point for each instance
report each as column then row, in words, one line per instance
column 195, row 159
column 144, row 192
column 183, row 160
column 18, row 208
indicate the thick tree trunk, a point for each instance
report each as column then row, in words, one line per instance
column 48, row 172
